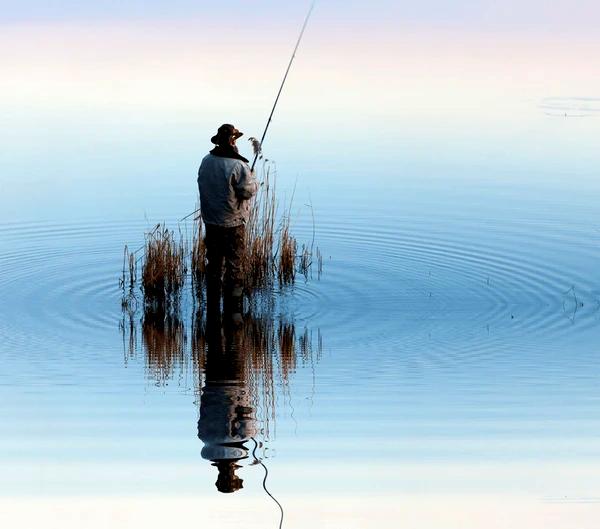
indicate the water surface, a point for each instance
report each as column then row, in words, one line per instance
column 442, row 372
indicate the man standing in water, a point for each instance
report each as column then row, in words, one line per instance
column 226, row 185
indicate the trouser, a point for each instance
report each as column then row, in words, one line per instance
column 224, row 246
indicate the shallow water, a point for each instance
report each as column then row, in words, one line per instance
column 447, row 357
column 444, row 369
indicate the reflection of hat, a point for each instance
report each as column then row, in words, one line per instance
column 225, row 132
column 227, row 481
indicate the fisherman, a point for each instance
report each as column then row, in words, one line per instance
column 226, row 185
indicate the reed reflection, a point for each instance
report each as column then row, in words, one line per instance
column 235, row 372
column 164, row 341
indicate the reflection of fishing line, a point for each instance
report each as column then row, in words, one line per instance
column 264, row 483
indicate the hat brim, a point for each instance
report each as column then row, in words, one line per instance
column 215, row 139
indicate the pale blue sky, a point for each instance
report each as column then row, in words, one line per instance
column 535, row 15
column 103, row 84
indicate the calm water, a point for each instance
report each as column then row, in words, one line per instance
column 443, row 371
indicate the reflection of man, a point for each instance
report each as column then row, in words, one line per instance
column 226, row 415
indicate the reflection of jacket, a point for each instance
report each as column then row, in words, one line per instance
column 225, row 186
column 226, row 420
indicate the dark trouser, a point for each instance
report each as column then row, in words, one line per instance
column 224, row 246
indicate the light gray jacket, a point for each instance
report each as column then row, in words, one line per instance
column 225, row 186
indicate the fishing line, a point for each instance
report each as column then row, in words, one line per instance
column 264, row 482
column 287, row 71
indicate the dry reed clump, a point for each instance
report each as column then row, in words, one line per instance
column 258, row 257
column 266, row 256
column 164, row 266
column 286, row 270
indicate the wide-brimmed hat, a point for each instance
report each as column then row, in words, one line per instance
column 224, row 133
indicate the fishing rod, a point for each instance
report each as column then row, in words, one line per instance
column 287, row 71
column 262, row 139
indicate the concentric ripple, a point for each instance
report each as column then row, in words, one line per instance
column 531, row 279
column 386, row 280
column 62, row 281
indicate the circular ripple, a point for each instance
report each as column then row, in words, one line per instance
column 489, row 277
column 388, row 282
column 62, row 281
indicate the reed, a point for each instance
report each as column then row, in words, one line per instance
column 129, row 276
column 164, row 266
column 258, row 260
column 198, row 258
column 286, row 270
column 128, row 282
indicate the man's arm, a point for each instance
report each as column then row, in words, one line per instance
column 244, row 182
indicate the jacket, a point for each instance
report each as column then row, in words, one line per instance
column 225, row 185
